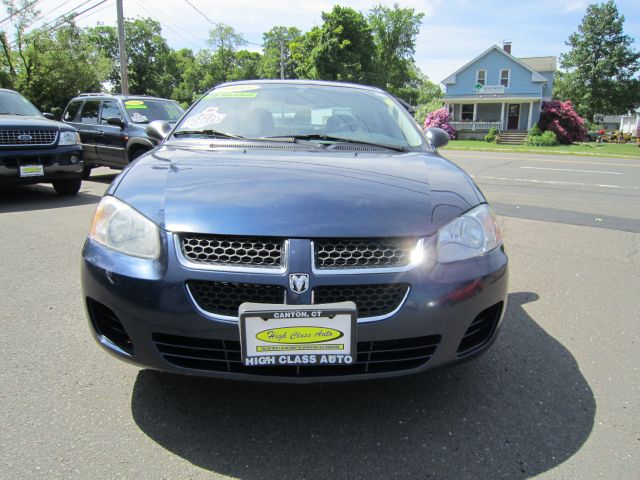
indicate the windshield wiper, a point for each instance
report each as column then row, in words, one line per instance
column 331, row 138
column 209, row 133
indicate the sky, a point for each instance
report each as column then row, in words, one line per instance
column 452, row 32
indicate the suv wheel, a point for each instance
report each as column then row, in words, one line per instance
column 136, row 153
column 70, row 186
column 86, row 171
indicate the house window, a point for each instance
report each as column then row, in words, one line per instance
column 467, row 113
column 505, row 78
column 481, row 77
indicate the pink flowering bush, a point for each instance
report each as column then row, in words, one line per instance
column 440, row 118
column 560, row 118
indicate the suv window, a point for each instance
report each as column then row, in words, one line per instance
column 71, row 111
column 110, row 109
column 90, row 112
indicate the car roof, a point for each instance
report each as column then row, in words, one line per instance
column 118, row 96
column 301, row 82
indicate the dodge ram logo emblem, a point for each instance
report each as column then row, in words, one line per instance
column 299, row 282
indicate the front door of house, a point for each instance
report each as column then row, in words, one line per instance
column 514, row 116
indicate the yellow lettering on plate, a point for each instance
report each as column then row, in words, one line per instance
column 298, row 335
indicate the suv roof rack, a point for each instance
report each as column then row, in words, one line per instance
column 104, row 94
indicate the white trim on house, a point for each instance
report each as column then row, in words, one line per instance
column 484, row 80
column 508, row 70
column 535, row 76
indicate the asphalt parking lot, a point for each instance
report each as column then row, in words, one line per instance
column 558, row 396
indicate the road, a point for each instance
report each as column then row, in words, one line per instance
column 558, row 396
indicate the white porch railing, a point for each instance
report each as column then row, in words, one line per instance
column 475, row 125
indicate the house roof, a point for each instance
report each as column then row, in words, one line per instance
column 540, row 64
column 535, row 76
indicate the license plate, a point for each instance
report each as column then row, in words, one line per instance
column 31, row 171
column 298, row 334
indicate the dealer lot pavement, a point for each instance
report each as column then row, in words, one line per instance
column 557, row 396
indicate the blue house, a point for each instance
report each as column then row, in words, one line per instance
column 496, row 89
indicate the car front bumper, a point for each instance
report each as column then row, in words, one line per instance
column 151, row 303
column 57, row 164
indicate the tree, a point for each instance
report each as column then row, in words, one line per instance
column 394, row 33
column 49, row 66
column 600, row 65
column 148, row 56
column 224, row 42
column 561, row 119
column 302, row 54
column 345, row 51
column 246, row 66
column 276, row 45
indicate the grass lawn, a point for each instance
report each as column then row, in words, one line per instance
column 625, row 150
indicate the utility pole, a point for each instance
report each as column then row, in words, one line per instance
column 281, row 58
column 124, row 75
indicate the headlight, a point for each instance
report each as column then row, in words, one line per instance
column 69, row 138
column 118, row 226
column 472, row 234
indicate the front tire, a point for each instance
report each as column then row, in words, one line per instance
column 137, row 153
column 69, row 186
column 86, row 171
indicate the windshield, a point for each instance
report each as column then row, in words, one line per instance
column 318, row 112
column 143, row 110
column 13, row 103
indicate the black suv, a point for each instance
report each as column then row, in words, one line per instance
column 112, row 127
column 36, row 149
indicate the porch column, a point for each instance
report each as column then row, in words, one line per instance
column 530, row 116
column 502, row 117
column 475, row 116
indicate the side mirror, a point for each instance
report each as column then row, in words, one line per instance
column 48, row 116
column 158, row 130
column 115, row 121
column 437, row 136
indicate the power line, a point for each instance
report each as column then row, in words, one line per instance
column 145, row 6
column 9, row 17
column 63, row 18
column 215, row 23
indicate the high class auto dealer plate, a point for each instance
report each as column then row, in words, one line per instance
column 298, row 334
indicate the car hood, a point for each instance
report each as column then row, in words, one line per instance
column 24, row 121
column 302, row 194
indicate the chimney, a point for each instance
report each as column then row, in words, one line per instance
column 506, row 46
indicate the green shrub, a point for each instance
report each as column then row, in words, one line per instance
column 535, row 130
column 547, row 139
column 492, row 136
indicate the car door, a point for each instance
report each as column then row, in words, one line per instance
column 88, row 130
column 112, row 143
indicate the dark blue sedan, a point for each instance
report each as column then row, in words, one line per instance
column 294, row 231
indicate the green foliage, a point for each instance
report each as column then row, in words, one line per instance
column 301, row 49
column 394, row 34
column 601, row 65
column 277, row 43
column 547, row 139
column 345, row 50
column 535, row 130
column 492, row 135
column 424, row 109
column 148, row 56
column 48, row 66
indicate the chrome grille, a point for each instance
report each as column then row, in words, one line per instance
column 371, row 300
column 363, row 252
column 38, row 137
column 233, row 251
column 224, row 298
